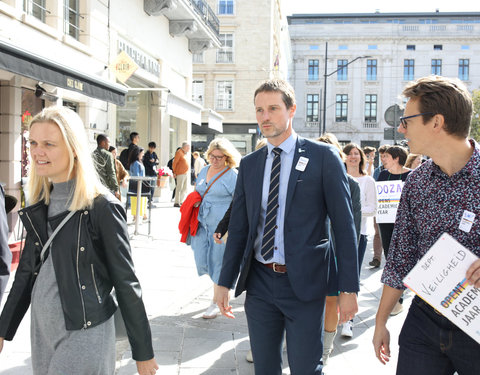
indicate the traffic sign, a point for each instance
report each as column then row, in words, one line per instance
column 388, row 135
column 393, row 114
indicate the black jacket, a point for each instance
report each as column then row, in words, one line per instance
column 91, row 254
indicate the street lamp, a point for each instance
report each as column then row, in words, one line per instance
column 325, row 76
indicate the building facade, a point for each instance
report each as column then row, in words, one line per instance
column 349, row 69
column 254, row 47
column 74, row 53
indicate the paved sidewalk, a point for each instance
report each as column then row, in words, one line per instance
column 186, row 344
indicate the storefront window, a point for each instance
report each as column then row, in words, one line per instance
column 134, row 117
column 31, row 105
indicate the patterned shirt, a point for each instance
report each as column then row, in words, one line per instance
column 433, row 203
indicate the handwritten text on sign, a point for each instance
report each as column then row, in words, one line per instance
column 439, row 278
column 388, row 197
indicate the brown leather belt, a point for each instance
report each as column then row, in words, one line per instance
column 279, row 268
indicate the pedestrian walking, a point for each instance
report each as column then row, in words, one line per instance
column 435, row 199
column 180, row 172
column 105, row 164
column 278, row 242
column 76, row 252
column 216, row 184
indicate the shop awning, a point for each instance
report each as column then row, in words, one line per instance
column 215, row 121
column 184, row 109
column 22, row 62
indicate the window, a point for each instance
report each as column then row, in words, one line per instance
column 342, row 47
column 342, row 74
column 371, row 70
column 408, row 69
column 72, row 18
column 35, row 8
column 313, row 47
column 312, row 70
column 371, row 108
column 437, row 67
column 225, row 6
column 197, row 58
column 198, row 91
column 463, row 69
column 312, row 107
column 224, row 96
column 465, row 47
column 372, row 46
column 341, row 108
column 410, row 47
column 437, row 47
column 225, row 52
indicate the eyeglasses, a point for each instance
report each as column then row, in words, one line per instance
column 213, row 157
column 403, row 120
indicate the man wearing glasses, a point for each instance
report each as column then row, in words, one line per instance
column 435, row 197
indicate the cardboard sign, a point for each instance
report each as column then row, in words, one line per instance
column 439, row 279
column 388, row 198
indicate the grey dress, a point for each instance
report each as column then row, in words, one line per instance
column 56, row 351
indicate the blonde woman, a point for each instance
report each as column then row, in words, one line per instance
column 69, row 286
column 219, row 177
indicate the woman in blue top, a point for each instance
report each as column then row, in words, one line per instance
column 136, row 168
column 223, row 159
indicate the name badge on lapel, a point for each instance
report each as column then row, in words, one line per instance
column 301, row 164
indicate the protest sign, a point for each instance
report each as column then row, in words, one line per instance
column 388, row 197
column 439, row 279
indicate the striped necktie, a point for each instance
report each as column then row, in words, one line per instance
column 268, row 240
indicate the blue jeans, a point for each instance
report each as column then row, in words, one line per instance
column 431, row 345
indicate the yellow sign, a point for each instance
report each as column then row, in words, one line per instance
column 123, row 66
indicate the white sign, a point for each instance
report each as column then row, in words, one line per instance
column 439, row 279
column 388, row 198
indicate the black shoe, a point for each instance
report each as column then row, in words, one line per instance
column 375, row 263
column 176, row 205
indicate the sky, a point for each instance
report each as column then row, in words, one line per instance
column 384, row 6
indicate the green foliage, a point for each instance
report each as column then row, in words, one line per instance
column 475, row 130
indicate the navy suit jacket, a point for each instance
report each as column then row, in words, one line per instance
column 319, row 191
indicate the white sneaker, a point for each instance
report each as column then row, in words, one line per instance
column 249, row 356
column 397, row 309
column 347, row 330
column 211, row 312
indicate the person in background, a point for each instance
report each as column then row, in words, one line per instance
column 120, row 172
column 381, row 154
column 414, row 161
column 377, row 242
column 170, row 165
column 5, row 253
column 198, row 164
column 68, row 284
column 180, row 170
column 150, row 162
column 331, row 303
column 136, row 168
column 394, row 163
column 355, row 162
column 105, row 165
column 369, row 152
column 435, row 199
column 125, row 154
column 219, row 178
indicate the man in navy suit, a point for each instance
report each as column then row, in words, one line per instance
column 279, row 239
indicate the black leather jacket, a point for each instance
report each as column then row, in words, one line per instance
column 91, row 254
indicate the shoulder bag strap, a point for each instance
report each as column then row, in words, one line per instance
column 206, row 191
column 57, row 229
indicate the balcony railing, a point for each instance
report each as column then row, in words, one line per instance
column 202, row 8
column 370, row 125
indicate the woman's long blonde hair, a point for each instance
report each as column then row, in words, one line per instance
column 80, row 166
column 227, row 148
